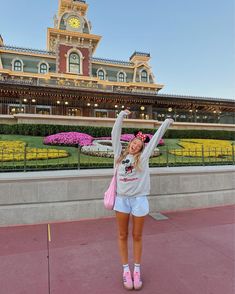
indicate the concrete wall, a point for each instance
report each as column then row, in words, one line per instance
column 43, row 197
column 8, row 120
column 105, row 122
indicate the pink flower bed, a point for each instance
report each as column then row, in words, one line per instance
column 69, row 138
column 129, row 137
column 75, row 138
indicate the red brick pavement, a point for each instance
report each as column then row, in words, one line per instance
column 192, row 252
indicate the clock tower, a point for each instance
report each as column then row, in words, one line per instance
column 71, row 38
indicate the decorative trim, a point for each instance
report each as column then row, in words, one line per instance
column 137, row 53
column 28, row 50
column 57, row 56
column 1, row 67
column 90, row 64
column 112, row 61
column 88, row 25
column 144, row 64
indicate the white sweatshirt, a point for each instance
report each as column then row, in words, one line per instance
column 130, row 181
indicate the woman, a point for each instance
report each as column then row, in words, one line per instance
column 133, row 186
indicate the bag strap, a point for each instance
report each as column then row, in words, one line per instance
column 115, row 170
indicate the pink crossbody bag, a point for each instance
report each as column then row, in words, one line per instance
column 110, row 194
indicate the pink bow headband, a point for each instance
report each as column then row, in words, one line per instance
column 141, row 136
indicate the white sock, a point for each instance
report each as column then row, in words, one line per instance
column 126, row 268
column 137, row 268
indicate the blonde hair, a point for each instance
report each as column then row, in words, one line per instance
column 125, row 152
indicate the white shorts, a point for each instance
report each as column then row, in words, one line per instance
column 137, row 206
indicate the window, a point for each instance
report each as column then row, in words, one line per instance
column 43, row 109
column 43, row 68
column 74, row 112
column 144, row 76
column 15, row 108
column 101, row 74
column 101, row 113
column 121, row 77
column 74, row 63
column 18, row 65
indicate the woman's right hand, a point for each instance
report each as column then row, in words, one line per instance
column 127, row 111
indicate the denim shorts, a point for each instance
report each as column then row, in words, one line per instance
column 137, row 206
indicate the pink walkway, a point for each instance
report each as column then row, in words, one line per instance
column 192, row 252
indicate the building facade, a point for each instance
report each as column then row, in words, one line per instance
column 67, row 79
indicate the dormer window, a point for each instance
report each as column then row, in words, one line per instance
column 121, row 77
column 101, row 74
column 43, row 68
column 144, row 76
column 17, row 65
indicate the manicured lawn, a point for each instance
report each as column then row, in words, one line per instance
column 90, row 161
column 37, row 142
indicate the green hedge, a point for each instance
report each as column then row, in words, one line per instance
column 45, row 130
column 95, row 165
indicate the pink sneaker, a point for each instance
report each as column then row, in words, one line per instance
column 127, row 281
column 137, row 281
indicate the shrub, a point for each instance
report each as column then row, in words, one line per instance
column 46, row 130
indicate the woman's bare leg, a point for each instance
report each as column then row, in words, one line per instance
column 123, row 222
column 138, row 224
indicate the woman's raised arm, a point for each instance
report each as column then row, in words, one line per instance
column 156, row 138
column 116, row 133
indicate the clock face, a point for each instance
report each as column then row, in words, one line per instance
column 74, row 22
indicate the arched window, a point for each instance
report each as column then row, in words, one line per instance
column 144, row 76
column 43, row 68
column 101, row 74
column 18, row 66
column 74, row 63
column 121, row 77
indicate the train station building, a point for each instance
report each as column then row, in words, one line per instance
column 68, row 79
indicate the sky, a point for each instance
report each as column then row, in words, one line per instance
column 191, row 42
